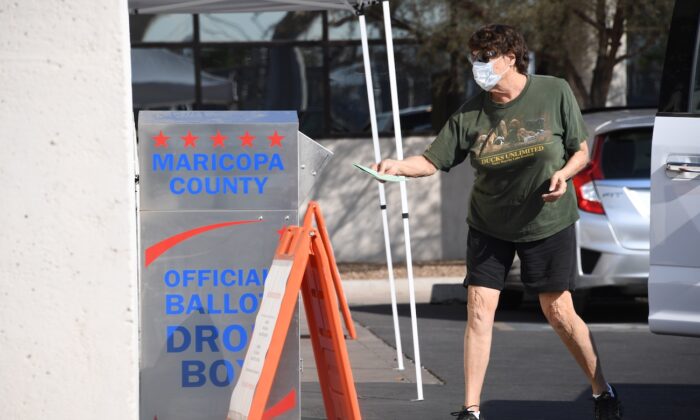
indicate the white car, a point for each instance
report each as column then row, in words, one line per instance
column 674, row 278
column 612, row 193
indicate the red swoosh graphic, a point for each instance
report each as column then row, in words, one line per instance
column 285, row 404
column 155, row 251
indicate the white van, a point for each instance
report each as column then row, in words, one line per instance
column 674, row 276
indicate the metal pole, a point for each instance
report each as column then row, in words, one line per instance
column 404, row 198
column 382, row 196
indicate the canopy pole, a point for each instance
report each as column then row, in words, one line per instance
column 382, row 196
column 404, row 198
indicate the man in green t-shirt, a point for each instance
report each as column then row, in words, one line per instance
column 525, row 138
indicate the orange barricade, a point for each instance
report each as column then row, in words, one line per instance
column 313, row 273
column 313, row 214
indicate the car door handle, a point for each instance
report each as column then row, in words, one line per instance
column 683, row 167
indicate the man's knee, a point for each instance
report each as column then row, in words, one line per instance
column 559, row 316
column 481, row 305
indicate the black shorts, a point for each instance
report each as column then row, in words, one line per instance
column 546, row 265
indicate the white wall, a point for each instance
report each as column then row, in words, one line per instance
column 350, row 204
column 68, row 329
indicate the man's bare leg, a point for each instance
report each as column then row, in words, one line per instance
column 559, row 310
column 481, row 308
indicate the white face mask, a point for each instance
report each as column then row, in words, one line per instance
column 484, row 76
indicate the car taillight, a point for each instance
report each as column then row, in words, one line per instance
column 586, row 194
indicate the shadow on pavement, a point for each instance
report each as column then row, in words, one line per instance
column 639, row 401
column 620, row 311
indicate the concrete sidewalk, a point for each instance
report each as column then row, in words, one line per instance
column 427, row 290
column 372, row 360
column 374, row 366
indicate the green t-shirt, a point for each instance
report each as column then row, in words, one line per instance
column 515, row 148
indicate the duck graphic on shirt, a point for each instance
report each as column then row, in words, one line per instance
column 513, row 135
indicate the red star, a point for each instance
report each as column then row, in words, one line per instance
column 247, row 140
column 161, row 139
column 275, row 139
column 190, row 140
column 218, row 139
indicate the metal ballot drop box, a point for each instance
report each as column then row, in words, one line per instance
column 215, row 189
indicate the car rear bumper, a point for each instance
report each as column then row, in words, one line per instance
column 629, row 272
column 603, row 261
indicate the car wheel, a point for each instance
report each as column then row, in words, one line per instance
column 581, row 300
column 510, row 299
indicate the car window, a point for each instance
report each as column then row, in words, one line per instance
column 627, row 154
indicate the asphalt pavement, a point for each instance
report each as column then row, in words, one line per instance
column 531, row 375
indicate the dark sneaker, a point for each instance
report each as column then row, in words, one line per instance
column 466, row 415
column 608, row 407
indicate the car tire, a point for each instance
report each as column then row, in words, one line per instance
column 510, row 299
column 581, row 298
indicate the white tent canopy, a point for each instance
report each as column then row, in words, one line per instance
column 232, row 6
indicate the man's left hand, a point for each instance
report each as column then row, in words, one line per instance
column 557, row 188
